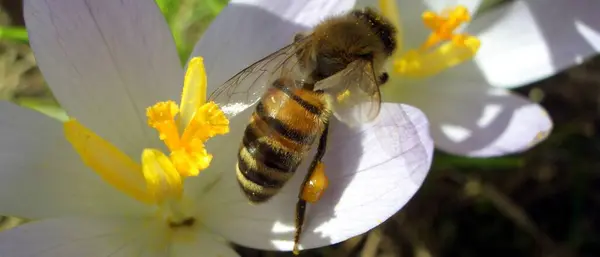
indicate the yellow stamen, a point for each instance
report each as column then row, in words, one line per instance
column 158, row 180
column 108, row 161
column 162, row 179
column 443, row 27
column 194, row 90
column 443, row 48
column 161, row 117
column 204, row 120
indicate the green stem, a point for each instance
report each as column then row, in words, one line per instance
column 14, row 33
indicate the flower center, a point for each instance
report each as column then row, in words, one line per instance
column 443, row 49
column 187, row 150
column 159, row 178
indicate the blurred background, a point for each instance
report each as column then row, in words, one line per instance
column 540, row 203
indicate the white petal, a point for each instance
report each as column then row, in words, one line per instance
column 373, row 170
column 248, row 30
column 204, row 244
column 76, row 237
column 440, row 5
column 42, row 176
column 525, row 41
column 106, row 62
column 470, row 118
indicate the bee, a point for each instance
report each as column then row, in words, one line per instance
column 336, row 70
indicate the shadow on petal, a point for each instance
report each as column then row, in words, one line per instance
column 571, row 29
column 374, row 170
column 525, row 41
column 470, row 118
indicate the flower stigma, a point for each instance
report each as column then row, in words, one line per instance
column 158, row 180
column 443, row 49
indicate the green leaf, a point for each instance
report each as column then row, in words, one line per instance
column 169, row 8
column 445, row 161
column 14, row 33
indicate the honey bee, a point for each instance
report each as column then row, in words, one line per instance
column 334, row 71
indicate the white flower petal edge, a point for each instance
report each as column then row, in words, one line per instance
column 70, row 237
column 42, row 176
column 248, row 30
column 106, row 62
column 469, row 118
column 525, row 41
column 373, row 169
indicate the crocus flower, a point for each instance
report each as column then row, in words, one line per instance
column 519, row 42
column 103, row 184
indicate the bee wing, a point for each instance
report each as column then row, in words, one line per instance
column 247, row 86
column 356, row 97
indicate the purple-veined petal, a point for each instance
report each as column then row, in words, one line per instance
column 76, row 237
column 374, row 169
column 248, row 30
column 42, row 176
column 468, row 117
column 525, row 41
column 106, row 62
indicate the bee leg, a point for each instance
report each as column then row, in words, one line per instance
column 383, row 78
column 301, row 205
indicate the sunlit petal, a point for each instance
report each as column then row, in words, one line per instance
column 42, row 176
column 106, row 61
column 525, row 41
column 470, row 118
column 373, row 169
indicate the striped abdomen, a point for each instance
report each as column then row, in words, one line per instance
column 281, row 131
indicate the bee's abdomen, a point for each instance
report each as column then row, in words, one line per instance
column 281, row 131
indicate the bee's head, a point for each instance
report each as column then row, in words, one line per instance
column 380, row 26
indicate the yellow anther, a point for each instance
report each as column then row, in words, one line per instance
column 162, row 179
column 443, row 27
column 114, row 166
column 208, row 121
column 198, row 121
column 188, row 154
column 191, row 162
column 443, row 48
column 161, row 117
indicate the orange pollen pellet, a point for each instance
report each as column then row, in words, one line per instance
column 316, row 185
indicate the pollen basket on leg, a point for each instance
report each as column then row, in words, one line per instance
column 443, row 49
